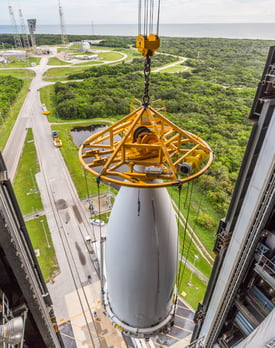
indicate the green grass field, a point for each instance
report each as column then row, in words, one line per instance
column 70, row 153
column 110, row 56
column 16, row 63
column 191, row 288
column 56, row 61
column 25, row 186
column 174, row 69
column 61, row 74
column 38, row 230
column 10, row 118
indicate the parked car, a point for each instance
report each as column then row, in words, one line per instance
column 97, row 222
column 89, row 244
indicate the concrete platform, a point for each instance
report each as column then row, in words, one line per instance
column 88, row 321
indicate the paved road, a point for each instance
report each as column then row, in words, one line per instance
column 66, row 217
column 76, row 289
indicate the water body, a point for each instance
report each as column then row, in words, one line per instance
column 264, row 31
column 80, row 134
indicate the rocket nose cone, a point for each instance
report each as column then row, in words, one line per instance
column 141, row 256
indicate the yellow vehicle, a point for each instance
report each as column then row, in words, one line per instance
column 45, row 111
column 57, row 142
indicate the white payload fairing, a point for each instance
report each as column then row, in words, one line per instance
column 143, row 153
column 141, row 260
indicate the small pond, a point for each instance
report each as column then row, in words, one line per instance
column 80, row 134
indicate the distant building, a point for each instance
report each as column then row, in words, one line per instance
column 85, row 46
column 86, row 57
column 14, row 53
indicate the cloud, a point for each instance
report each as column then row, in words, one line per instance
column 126, row 11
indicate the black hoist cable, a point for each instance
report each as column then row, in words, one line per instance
column 147, row 71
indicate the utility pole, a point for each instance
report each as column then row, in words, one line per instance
column 63, row 32
column 16, row 36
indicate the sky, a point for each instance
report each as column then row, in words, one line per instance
column 126, row 11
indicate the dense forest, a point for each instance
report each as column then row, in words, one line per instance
column 212, row 98
column 9, row 88
column 7, row 40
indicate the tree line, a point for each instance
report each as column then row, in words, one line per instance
column 212, row 99
column 9, row 88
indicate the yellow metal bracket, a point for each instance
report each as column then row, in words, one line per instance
column 147, row 45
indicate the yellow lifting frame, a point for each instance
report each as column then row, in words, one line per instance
column 142, row 147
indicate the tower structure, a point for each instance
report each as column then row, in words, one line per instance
column 32, row 27
column 62, row 24
column 26, row 310
column 16, row 35
column 25, row 38
column 238, row 309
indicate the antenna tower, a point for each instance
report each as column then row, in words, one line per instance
column 16, row 36
column 32, row 27
column 24, row 30
column 63, row 32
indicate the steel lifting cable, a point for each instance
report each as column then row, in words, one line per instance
column 191, row 239
column 178, row 221
column 148, row 23
column 183, row 266
column 99, row 207
column 147, row 71
column 157, row 29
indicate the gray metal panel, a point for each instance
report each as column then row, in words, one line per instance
column 255, row 209
column 141, row 256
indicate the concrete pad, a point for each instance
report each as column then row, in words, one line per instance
column 182, row 343
column 89, row 321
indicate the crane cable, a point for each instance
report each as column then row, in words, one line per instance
column 148, row 26
column 182, row 265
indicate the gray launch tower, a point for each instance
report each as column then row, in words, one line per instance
column 25, row 305
column 238, row 309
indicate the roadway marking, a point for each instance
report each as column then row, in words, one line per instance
column 184, row 307
column 75, row 339
column 62, row 320
column 176, row 338
column 182, row 328
column 165, row 346
column 179, row 316
column 160, row 345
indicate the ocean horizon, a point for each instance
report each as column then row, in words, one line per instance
column 263, row 31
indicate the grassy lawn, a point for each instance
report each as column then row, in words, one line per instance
column 70, row 154
column 188, row 249
column 198, row 204
column 99, row 48
column 16, row 63
column 191, row 291
column 47, row 96
column 10, row 118
column 56, row 61
column 174, row 69
column 109, row 56
column 25, row 186
column 131, row 53
column 89, row 63
column 23, row 74
column 47, row 259
column 61, row 74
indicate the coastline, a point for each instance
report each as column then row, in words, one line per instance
column 262, row 31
